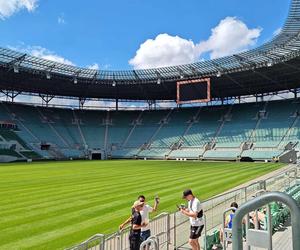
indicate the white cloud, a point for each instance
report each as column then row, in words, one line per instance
column 277, row 32
column 164, row 50
column 44, row 53
column 94, row 66
column 61, row 19
column 49, row 55
column 230, row 36
column 9, row 7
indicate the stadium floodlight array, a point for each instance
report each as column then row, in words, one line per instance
column 284, row 47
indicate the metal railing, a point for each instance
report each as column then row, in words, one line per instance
column 263, row 200
column 150, row 244
column 96, row 242
column 172, row 229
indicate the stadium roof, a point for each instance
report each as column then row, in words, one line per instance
column 271, row 67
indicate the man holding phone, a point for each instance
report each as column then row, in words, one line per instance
column 147, row 209
column 195, row 212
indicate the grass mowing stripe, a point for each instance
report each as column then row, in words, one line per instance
column 23, row 215
column 33, row 216
column 31, row 208
column 72, row 181
column 107, row 188
column 66, row 208
column 72, row 190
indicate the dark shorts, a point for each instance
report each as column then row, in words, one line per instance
column 135, row 241
column 196, row 232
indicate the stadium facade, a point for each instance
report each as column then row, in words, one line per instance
column 254, row 131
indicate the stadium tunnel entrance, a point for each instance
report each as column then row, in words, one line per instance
column 246, row 159
column 97, row 155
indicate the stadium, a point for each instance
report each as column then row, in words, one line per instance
column 229, row 128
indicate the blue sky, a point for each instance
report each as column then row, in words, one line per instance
column 109, row 33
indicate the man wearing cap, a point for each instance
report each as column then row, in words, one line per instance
column 195, row 212
column 136, row 226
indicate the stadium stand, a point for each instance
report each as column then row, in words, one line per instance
column 121, row 126
column 92, row 125
column 254, row 131
column 276, row 120
column 146, row 127
column 188, row 153
column 173, row 127
column 238, row 125
column 205, row 128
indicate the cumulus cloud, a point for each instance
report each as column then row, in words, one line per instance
column 230, row 36
column 44, row 53
column 164, row 50
column 9, row 7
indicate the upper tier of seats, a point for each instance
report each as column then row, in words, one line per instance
column 212, row 132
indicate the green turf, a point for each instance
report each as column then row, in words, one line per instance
column 53, row 205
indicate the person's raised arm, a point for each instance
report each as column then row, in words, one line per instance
column 156, row 202
column 125, row 223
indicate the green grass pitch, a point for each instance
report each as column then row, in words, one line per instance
column 53, row 205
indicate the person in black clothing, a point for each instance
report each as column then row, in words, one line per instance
column 136, row 226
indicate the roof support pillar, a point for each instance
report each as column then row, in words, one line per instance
column 295, row 93
column 151, row 104
column 46, row 98
column 81, row 102
column 117, row 104
column 11, row 94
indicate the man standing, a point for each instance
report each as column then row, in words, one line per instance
column 195, row 212
column 147, row 209
column 136, row 226
column 146, row 233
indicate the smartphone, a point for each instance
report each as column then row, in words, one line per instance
column 157, row 199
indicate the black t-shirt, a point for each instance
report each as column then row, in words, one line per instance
column 136, row 220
